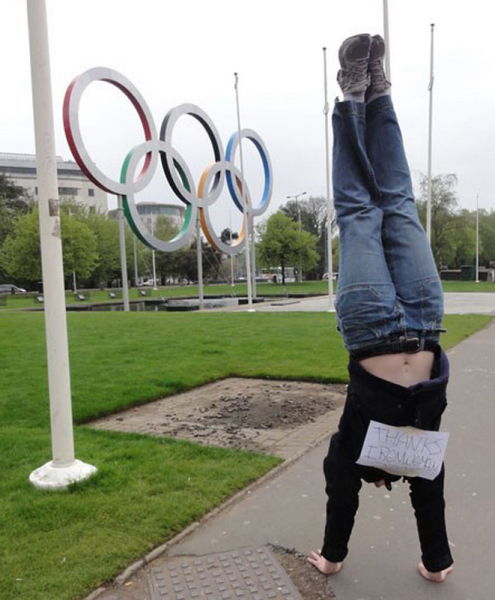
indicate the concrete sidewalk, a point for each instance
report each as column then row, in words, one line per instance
column 455, row 303
column 288, row 509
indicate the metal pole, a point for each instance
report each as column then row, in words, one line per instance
column 74, row 279
column 134, row 247
column 386, row 37
column 327, row 179
column 430, row 122
column 245, row 203
column 253, row 253
column 299, row 274
column 199, row 258
column 296, row 198
column 153, row 260
column 477, row 240
column 63, row 468
column 123, row 258
column 231, row 256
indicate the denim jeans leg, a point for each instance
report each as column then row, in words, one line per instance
column 407, row 250
column 367, row 311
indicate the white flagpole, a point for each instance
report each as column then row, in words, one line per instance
column 386, row 37
column 123, row 257
column 134, row 246
column 153, row 257
column 231, row 256
column 327, row 178
column 247, row 208
column 430, row 123
column 199, row 261
column 64, row 468
column 253, row 257
column 477, row 239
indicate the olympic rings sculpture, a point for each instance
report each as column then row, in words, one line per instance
column 174, row 166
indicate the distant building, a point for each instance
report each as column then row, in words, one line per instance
column 72, row 182
column 150, row 211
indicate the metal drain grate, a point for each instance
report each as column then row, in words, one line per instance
column 247, row 574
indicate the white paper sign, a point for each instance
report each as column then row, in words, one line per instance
column 404, row 450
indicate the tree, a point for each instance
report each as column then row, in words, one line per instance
column 212, row 261
column 443, row 207
column 106, row 232
column 487, row 236
column 312, row 213
column 79, row 247
column 282, row 244
column 164, row 229
column 21, row 256
column 464, row 234
column 14, row 201
column 453, row 231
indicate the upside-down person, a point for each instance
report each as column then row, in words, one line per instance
column 389, row 309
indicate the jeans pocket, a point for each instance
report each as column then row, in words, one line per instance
column 423, row 300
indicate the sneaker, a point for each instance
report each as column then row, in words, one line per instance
column 379, row 84
column 354, row 54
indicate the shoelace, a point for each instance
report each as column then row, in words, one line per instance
column 357, row 71
column 379, row 78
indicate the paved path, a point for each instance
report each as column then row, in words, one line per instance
column 289, row 509
column 455, row 303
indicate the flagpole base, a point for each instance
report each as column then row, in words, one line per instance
column 50, row 477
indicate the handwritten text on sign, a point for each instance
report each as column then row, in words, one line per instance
column 404, row 450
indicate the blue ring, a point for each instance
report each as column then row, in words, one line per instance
column 266, row 169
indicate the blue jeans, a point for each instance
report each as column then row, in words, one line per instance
column 389, row 291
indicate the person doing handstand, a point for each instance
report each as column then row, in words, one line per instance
column 389, row 308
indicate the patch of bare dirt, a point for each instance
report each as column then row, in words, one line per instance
column 263, row 404
column 312, row 584
column 253, row 414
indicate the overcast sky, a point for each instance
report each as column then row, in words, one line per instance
column 188, row 50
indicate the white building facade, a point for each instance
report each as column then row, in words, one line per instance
column 72, row 182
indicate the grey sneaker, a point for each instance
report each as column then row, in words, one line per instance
column 379, row 84
column 354, row 54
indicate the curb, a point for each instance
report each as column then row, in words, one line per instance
column 132, row 569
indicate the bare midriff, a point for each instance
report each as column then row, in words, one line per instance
column 401, row 368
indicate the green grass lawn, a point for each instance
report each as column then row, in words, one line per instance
column 306, row 287
column 62, row 544
column 468, row 286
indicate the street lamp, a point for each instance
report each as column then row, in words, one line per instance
column 296, row 197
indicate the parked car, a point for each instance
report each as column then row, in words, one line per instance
column 10, row 288
column 149, row 282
